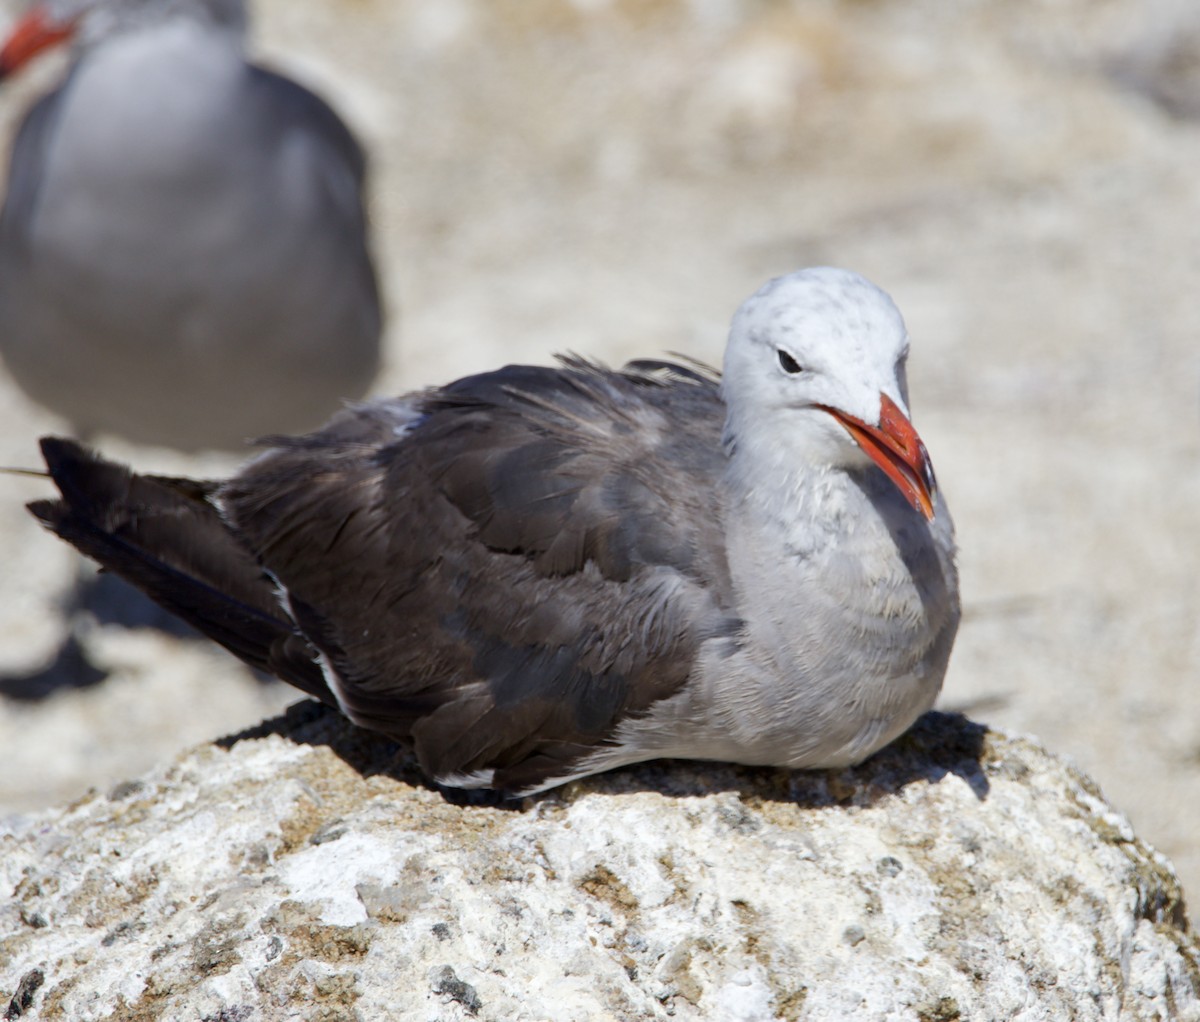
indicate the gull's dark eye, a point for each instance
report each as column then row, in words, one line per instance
column 789, row 364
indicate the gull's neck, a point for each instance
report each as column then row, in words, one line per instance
column 794, row 480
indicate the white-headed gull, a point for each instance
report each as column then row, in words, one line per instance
column 536, row 573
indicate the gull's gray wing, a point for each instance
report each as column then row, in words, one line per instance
column 505, row 568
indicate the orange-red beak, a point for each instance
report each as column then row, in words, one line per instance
column 35, row 32
column 895, row 447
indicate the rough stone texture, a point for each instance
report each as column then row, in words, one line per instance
column 614, row 176
column 303, row 871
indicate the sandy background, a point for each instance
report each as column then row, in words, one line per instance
column 615, row 177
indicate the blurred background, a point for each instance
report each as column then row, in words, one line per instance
column 613, row 177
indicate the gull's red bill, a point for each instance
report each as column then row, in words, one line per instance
column 35, row 32
column 897, row 449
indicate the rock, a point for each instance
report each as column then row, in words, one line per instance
column 303, row 870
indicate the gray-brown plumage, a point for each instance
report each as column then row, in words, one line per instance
column 538, row 573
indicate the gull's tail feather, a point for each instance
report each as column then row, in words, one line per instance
column 166, row 537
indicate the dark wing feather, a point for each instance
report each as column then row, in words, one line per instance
column 583, row 465
column 297, row 109
column 503, row 569
column 301, row 120
column 166, row 537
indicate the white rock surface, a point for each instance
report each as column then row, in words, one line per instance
column 305, row 872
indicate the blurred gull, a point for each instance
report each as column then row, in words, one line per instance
column 183, row 248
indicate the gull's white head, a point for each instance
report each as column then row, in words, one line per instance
column 816, row 361
column 49, row 23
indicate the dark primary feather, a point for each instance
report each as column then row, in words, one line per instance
column 164, row 536
column 499, row 570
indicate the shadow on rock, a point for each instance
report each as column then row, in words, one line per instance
column 937, row 746
column 309, row 722
column 105, row 599
column 108, row 600
column 70, row 669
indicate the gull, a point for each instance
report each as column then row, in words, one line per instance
column 183, row 247
column 539, row 573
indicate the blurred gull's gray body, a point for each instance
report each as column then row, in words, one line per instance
column 539, row 573
column 183, row 250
